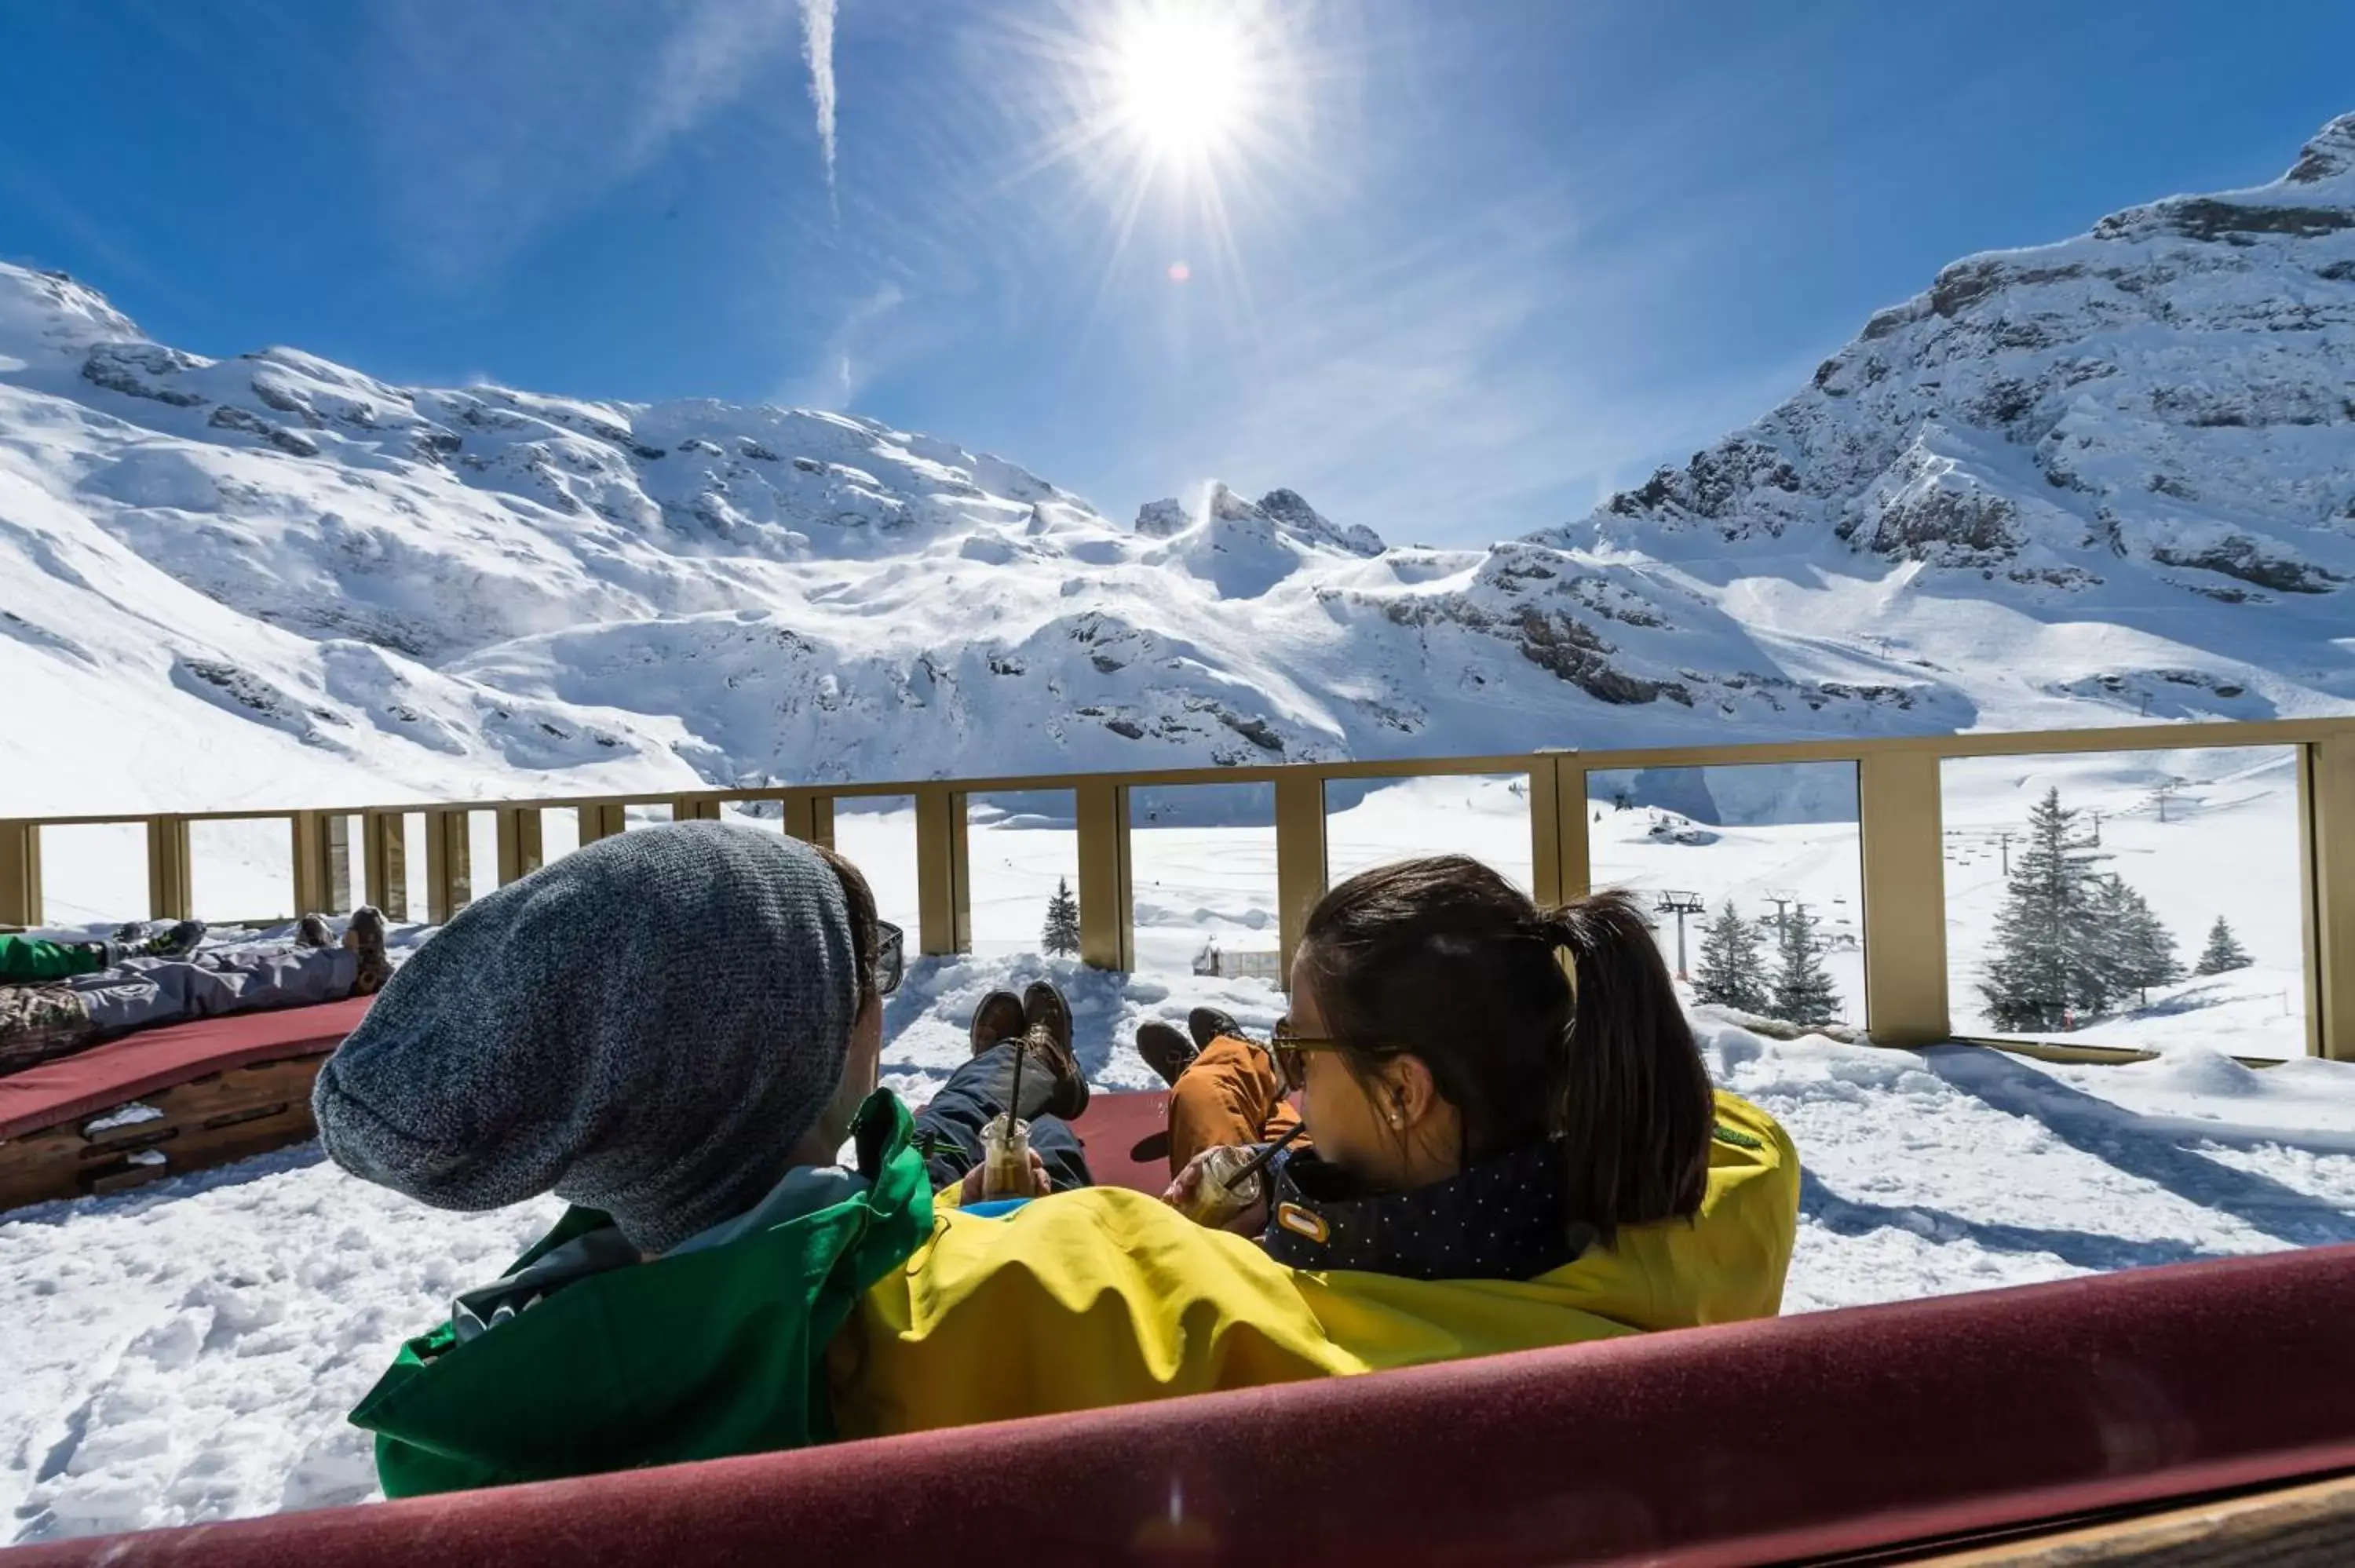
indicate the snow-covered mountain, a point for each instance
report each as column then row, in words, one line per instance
column 2098, row 482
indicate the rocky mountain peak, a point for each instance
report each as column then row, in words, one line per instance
column 47, row 314
column 2330, row 154
column 1280, row 513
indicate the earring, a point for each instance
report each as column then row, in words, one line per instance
column 1394, row 1118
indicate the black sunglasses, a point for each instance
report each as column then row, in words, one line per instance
column 1288, row 1048
column 891, row 957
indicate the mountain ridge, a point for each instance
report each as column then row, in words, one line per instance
column 2103, row 480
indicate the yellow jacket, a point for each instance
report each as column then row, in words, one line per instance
column 1106, row 1297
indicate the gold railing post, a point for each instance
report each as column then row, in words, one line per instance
column 1899, row 812
column 941, row 895
column 170, row 894
column 1560, row 863
column 2326, row 833
column 1299, row 858
column 449, row 874
column 20, row 873
column 323, row 862
column 682, row 809
column 385, row 853
column 809, row 817
column 1107, row 907
column 962, row 873
column 601, row 821
column 520, row 847
column 1545, row 833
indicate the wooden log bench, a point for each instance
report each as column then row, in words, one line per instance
column 165, row 1102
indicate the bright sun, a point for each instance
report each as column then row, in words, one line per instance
column 1181, row 79
column 1187, row 119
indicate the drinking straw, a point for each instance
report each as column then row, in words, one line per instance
column 1260, row 1159
column 1014, row 1096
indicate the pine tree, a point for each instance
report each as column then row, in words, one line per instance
column 2138, row 949
column 1063, row 933
column 1732, row 973
column 2050, row 961
column 1802, row 990
column 2224, row 952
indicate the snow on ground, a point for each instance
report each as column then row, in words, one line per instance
column 188, row 1352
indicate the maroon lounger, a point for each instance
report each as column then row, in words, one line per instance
column 1797, row 1437
column 231, row 1087
column 227, row 1089
column 1127, row 1139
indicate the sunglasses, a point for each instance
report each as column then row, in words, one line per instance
column 891, row 957
column 1290, row 1051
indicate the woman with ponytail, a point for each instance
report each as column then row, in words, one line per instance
column 1491, row 1089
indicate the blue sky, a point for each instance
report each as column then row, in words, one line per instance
column 1480, row 262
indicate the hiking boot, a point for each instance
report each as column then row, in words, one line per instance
column 365, row 935
column 1207, row 1024
column 999, row 1017
column 1053, row 1054
column 1166, row 1049
column 183, row 939
column 1043, row 1007
column 312, row 932
column 41, row 1022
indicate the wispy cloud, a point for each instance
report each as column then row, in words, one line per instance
column 850, row 358
column 494, row 120
column 817, row 51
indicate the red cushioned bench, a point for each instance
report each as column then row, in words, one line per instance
column 1794, row 1439
column 222, row 1088
column 1127, row 1139
column 226, row 1089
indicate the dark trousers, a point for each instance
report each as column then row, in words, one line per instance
column 949, row 1128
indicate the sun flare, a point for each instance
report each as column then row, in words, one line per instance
column 1179, row 76
column 1187, row 122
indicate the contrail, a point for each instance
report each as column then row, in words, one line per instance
column 818, row 48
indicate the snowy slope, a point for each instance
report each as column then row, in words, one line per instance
column 2105, row 481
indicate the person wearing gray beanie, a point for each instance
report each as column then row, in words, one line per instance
column 658, row 1026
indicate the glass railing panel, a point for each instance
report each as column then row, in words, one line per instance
column 2141, row 899
column 1753, row 877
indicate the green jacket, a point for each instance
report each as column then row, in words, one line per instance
column 690, row 1356
column 27, row 960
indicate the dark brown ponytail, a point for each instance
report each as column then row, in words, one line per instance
column 1444, row 959
column 1635, row 1109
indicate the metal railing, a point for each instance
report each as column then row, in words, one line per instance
column 1899, row 821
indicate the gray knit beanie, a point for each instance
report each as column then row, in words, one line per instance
column 646, row 1026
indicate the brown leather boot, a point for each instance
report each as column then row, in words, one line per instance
column 365, row 935
column 1166, row 1049
column 999, row 1017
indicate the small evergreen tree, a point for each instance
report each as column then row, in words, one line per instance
column 2224, row 952
column 2138, row 949
column 1063, row 933
column 1732, row 971
column 2049, row 962
column 1803, row 992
